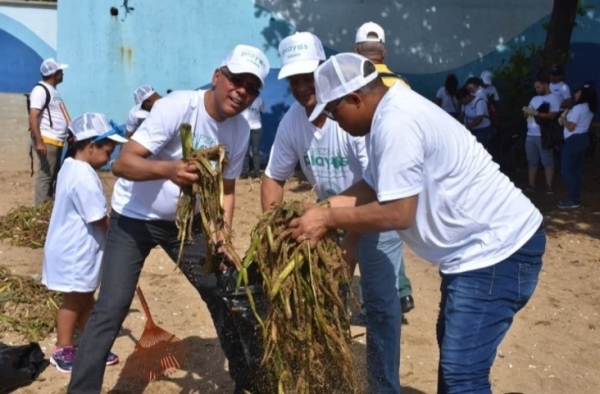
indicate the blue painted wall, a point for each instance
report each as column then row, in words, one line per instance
column 177, row 45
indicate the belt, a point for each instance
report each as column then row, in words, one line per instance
column 52, row 141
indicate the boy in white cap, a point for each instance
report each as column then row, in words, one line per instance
column 144, row 202
column 77, row 232
column 489, row 89
column 145, row 97
column 48, row 126
column 431, row 181
column 332, row 160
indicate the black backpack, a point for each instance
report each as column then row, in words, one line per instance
column 552, row 131
column 46, row 103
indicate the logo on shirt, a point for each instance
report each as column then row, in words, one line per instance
column 203, row 141
column 320, row 157
column 329, row 189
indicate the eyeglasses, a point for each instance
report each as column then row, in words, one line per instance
column 329, row 113
column 237, row 81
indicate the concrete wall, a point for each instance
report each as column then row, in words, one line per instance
column 178, row 44
column 27, row 36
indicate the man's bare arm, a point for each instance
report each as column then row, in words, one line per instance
column 271, row 191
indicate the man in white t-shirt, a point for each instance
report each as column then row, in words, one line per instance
column 559, row 87
column 534, row 148
column 475, row 116
column 488, row 89
column 429, row 179
column 48, row 126
column 252, row 115
column 332, row 160
column 145, row 97
column 144, row 202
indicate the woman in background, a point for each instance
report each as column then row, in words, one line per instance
column 576, row 124
column 446, row 96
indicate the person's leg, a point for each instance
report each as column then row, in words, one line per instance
column 582, row 143
column 192, row 266
column 404, row 286
column 86, row 311
column 379, row 257
column 255, row 136
column 46, row 176
column 73, row 307
column 547, row 160
column 533, row 160
column 478, row 308
column 129, row 241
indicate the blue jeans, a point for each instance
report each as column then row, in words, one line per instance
column 476, row 311
column 254, row 146
column 379, row 256
column 129, row 242
column 483, row 136
column 571, row 163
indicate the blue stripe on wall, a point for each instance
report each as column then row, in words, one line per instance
column 21, row 73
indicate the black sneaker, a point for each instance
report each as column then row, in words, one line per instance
column 407, row 303
column 244, row 176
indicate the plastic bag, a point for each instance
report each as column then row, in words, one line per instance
column 20, row 365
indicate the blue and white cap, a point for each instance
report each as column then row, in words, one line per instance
column 96, row 126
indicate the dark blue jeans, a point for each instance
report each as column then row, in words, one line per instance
column 476, row 311
column 571, row 163
column 129, row 242
column 254, row 146
column 483, row 136
column 379, row 259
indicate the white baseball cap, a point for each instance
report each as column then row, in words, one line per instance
column 247, row 59
column 486, row 77
column 143, row 93
column 300, row 53
column 362, row 35
column 339, row 75
column 96, row 126
column 50, row 66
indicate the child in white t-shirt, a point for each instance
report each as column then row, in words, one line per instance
column 77, row 231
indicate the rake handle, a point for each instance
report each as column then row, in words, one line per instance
column 140, row 295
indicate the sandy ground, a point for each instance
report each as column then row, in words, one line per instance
column 553, row 346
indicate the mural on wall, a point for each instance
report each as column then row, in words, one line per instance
column 27, row 37
column 118, row 48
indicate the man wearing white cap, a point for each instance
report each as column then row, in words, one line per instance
column 144, row 202
column 48, row 125
column 144, row 98
column 489, row 89
column 332, row 160
column 429, row 179
column 370, row 42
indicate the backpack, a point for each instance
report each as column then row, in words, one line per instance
column 552, row 131
column 491, row 111
column 46, row 103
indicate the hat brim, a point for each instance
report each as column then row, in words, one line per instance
column 117, row 138
column 319, row 108
column 296, row 68
column 243, row 69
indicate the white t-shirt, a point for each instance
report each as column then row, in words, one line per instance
column 157, row 200
column 133, row 122
column 469, row 215
column 74, row 246
column 480, row 94
column 581, row 115
column 490, row 91
column 449, row 103
column 561, row 89
column 330, row 158
column 476, row 108
column 533, row 129
column 252, row 113
column 37, row 98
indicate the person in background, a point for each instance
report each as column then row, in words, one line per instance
column 144, row 98
column 474, row 115
column 559, row 87
column 48, row 125
column 446, row 96
column 370, row 42
column 490, row 90
column 576, row 124
column 533, row 144
column 252, row 115
column 77, row 233
column 474, row 85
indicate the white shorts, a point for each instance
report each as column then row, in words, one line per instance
column 77, row 277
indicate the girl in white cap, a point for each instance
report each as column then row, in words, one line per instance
column 77, row 232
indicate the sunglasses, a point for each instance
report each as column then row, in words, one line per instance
column 238, row 82
column 329, row 113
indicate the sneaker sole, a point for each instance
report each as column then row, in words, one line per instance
column 570, row 207
column 58, row 368
column 115, row 361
